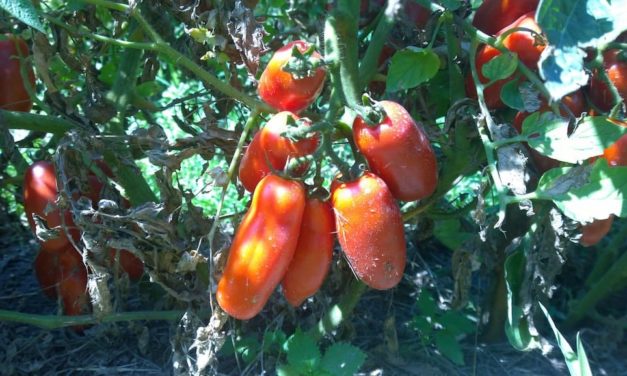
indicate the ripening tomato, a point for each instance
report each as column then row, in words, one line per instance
column 370, row 230
column 616, row 154
column 40, row 190
column 494, row 15
column 128, row 262
column 72, row 277
column 281, row 89
column 399, row 152
column 522, row 43
column 46, row 267
column 268, row 146
column 592, row 233
column 13, row 94
column 263, row 247
column 615, row 67
column 313, row 255
column 576, row 104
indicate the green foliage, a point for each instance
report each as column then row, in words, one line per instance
column 441, row 327
column 24, row 11
column 500, row 67
column 411, row 67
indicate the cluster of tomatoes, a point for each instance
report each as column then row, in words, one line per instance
column 496, row 17
column 288, row 233
column 59, row 267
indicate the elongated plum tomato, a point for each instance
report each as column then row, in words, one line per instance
column 314, row 251
column 40, row 189
column 522, row 43
column 13, row 94
column 268, row 146
column 263, row 247
column 46, row 267
column 370, row 230
column 616, row 70
column 281, row 90
column 398, row 151
column 494, row 15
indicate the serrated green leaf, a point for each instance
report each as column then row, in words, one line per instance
column 585, row 193
column 24, row 11
column 456, row 323
column 500, row 67
column 449, row 347
column 549, row 135
column 149, row 88
column 272, row 339
column 302, row 351
column 426, row 304
column 411, row 67
column 449, row 233
column 423, row 325
column 342, row 359
column 511, row 96
column 562, row 70
column 577, row 363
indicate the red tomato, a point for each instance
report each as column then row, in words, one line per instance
column 616, row 154
column 592, row 233
column 575, row 102
column 13, row 94
column 616, row 70
column 263, row 247
column 46, row 267
column 129, row 263
column 314, row 251
column 40, row 190
column 269, row 147
column 417, row 14
column 73, row 282
column 284, row 92
column 494, row 15
column 522, row 43
column 370, row 230
column 399, row 151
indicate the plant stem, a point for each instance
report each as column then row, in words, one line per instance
column 34, row 122
column 368, row 66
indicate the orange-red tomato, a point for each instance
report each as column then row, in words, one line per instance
column 263, row 247
column 522, row 43
column 398, row 151
column 616, row 70
column 46, row 267
column 13, row 94
column 40, row 190
column 616, row 154
column 73, row 282
column 283, row 91
column 370, row 230
column 129, row 263
column 269, row 151
column 494, row 15
column 592, row 233
column 313, row 255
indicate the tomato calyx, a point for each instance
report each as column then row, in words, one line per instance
column 371, row 112
column 303, row 64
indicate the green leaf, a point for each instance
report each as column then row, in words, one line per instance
column 517, row 324
column 149, row 88
column 287, row 370
column 456, row 323
column 448, row 346
column 426, row 304
column 451, row 4
column 423, row 325
column 411, row 67
column 302, row 351
column 273, row 339
column 548, row 134
column 511, row 95
column 342, row 359
column 585, row 193
column 500, row 67
column 570, row 26
column 449, row 232
column 577, row 363
column 24, row 11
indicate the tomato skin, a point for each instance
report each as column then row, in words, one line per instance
column 268, row 146
column 520, row 42
column 616, row 154
column 313, row 255
column 616, row 71
column 263, row 247
column 370, row 230
column 592, row 233
column 13, row 94
column 281, row 90
column 494, row 15
column 40, row 189
column 398, row 151
column 129, row 263
column 46, row 269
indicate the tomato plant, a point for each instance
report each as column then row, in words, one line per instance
column 263, row 247
column 592, row 233
column 314, row 251
column 40, row 191
column 46, row 269
column 398, row 150
column 129, row 263
column 270, row 151
column 13, row 93
column 370, row 230
column 281, row 89
column 72, row 278
column 494, row 15
column 615, row 66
